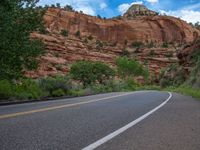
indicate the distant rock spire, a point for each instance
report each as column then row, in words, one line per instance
column 139, row 10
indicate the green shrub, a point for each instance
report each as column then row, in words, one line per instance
column 85, row 41
column 165, row 83
column 194, row 78
column 28, row 89
column 64, row 32
column 131, row 84
column 58, row 5
column 68, row 8
column 58, row 93
column 52, row 84
column 77, row 92
column 152, row 53
column 90, row 37
column 6, row 89
column 165, row 45
column 125, row 42
column 125, row 52
column 151, row 44
column 137, row 44
column 88, row 72
column 186, row 90
column 127, row 67
column 78, row 34
column 43, row 30
column 99, row 44
column 169, row 54
column 102, row 72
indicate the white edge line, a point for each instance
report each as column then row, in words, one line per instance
column 119, row 131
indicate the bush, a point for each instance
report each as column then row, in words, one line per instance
column 152, row 53
column 24, row 89
column 90, row 37
column 165, row 83
column 186, row 90
column 58, row 93
column 151, row 45
column 137, row 44
column 99, row 44
column 55, row 85
column 125, row 52
column 6, row 89
column 27, row 89
column 68, row 8
column 64, row 32
column 78, row 34
column 165, row 45
column 169, row 54
column 88, row 72
column 129, row 67
column 102, row 72
column 194, row 78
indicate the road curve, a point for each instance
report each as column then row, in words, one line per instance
column 78, row 122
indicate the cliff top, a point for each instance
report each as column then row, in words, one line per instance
column 139, row 10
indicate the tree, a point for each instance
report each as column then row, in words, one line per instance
column 58, row 5
column 88, row 72
column 53, row 6
column 68, row 8
column 197, row 25
column 19, row 19
column 98, row 16
column 127, row 67
column 102, row 72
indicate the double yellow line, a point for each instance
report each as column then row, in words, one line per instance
column 57, row 107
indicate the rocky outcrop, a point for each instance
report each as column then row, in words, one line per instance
column 157, row 29
column 106, row 39
column 139, row 10
column 187, row 54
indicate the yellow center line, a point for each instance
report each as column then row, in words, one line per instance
column 56, row 107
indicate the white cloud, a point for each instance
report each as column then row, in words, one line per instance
column 192, row 7
column 103, row 5
column 87, row 6
column 86, row 9
column 124, row 7
column 153, row 1
column 187, row 15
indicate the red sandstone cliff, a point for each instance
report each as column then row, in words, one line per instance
column 158, row 29
column 112, row 34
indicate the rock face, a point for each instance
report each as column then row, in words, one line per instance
column 186, row 54
column 106, row 39
column 139, row 10
column 157, row 29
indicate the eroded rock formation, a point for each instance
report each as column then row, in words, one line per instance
column 138, row 10
column 106, row 39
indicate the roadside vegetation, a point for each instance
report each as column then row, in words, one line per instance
column 19, row 53
column 84, row 78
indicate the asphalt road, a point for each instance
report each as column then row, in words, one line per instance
column 163, row 123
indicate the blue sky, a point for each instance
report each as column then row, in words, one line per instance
column 188, row 10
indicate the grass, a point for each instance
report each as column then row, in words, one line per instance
column 59, row 86
column 185, row 90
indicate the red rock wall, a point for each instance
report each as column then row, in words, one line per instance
column 158, row 29
column 63, row 51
